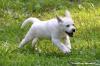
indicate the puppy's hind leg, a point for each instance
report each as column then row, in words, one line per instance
column 34, row 42
column 29, row 36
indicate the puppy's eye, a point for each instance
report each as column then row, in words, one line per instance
column 67, row 25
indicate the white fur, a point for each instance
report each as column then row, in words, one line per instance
column 53, row 29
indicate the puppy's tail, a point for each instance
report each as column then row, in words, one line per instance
column 32, row 20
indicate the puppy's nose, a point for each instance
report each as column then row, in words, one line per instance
column 73, row 30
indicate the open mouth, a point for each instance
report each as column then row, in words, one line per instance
column 70, row 34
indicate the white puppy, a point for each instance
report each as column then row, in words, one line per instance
column 55, row 29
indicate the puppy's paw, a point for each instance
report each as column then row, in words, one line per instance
column 20, row 46
column 65, row 49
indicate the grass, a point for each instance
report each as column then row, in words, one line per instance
column 85, row 43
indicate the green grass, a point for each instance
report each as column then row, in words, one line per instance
column 85, row 43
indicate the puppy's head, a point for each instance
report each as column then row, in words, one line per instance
column 67, row 24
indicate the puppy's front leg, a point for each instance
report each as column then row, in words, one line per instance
column 61, row 46
column 67, row 42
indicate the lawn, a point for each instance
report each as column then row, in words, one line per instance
column 85, row 43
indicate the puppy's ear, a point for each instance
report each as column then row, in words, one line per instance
column 67, row 13
column 59, row 19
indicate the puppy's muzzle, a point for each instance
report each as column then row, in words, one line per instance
column 73, row 30
column 71, row 33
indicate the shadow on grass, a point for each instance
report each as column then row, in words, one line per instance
column 32, row 51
